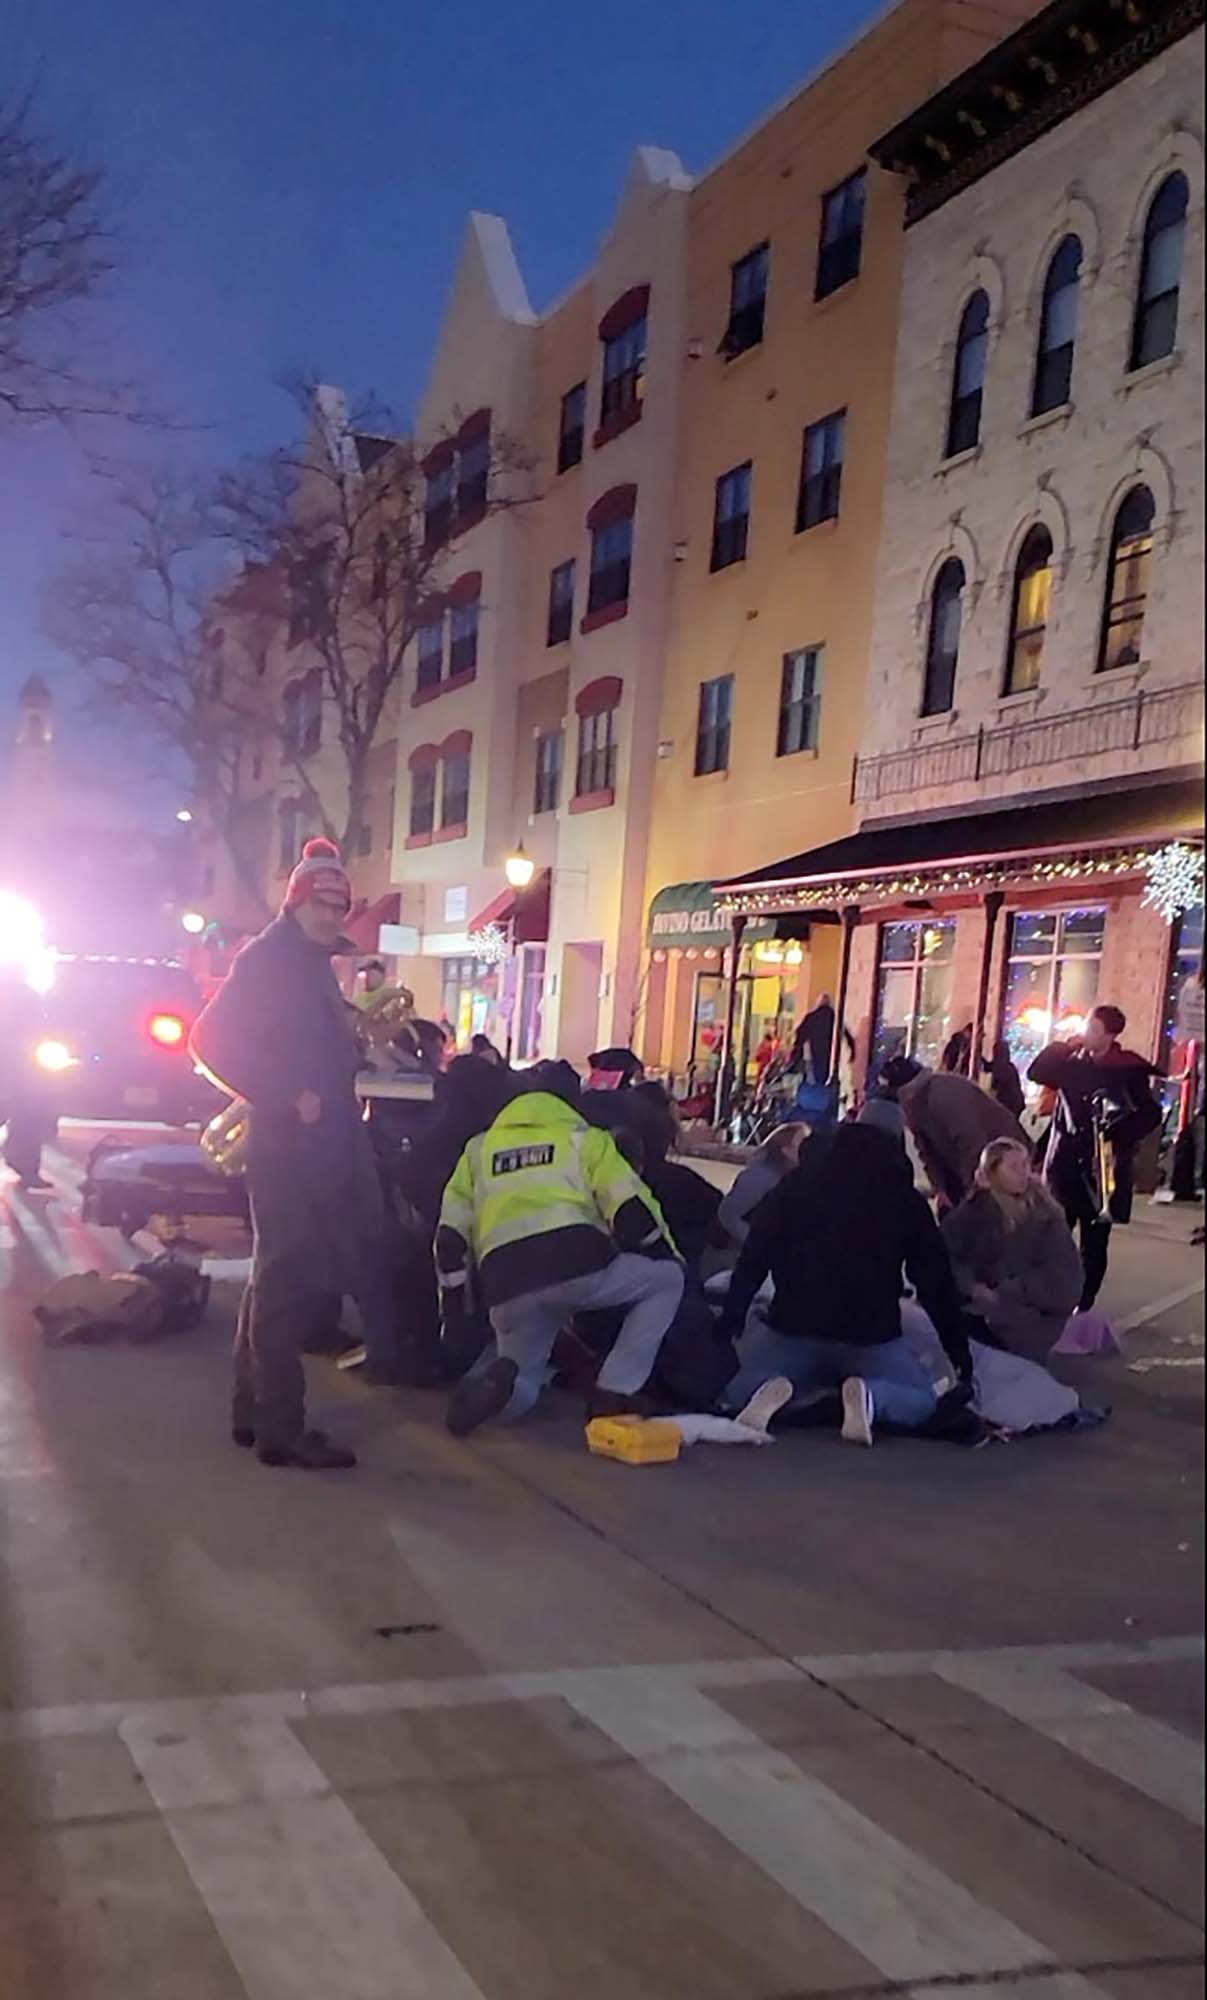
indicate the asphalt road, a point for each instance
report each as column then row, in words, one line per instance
column 498, row 1721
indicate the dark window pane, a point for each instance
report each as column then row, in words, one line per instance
column 596, row 770
column 611, row 556
column 747, row 303
column 1155, row 332
column 1057, row 329
column 571, row 427
column 463, row 638
column 430, row 667
column 731, row 518
column 423, row 800
column 841, row 247
column 800, row 702
column 821, row 471
column 561, row 604
column 454, row 791
column 968, row 376
column 713, row 724
column 943, row 642
column 623, row 371
column 547, row 789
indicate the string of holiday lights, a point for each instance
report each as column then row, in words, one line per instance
column 1006, row 873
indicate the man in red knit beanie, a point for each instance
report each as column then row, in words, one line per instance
column 278, row 1033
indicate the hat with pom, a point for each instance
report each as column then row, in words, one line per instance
column 319, row 877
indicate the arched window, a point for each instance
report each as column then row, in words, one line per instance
column 1155, row 331
column 968, row 376
column 1057, row 329
column 1127, row 579
column 943, row 640
column 1029, row 612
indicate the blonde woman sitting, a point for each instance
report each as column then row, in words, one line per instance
column 1016, row 1264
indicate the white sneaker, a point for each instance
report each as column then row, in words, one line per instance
column 858, row 1410
column 765, row 1403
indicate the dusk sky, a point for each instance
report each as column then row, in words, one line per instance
column 292, row 184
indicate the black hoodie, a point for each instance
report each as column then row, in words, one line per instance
column 836, row 1235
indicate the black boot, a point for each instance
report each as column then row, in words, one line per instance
column 477, row 1397
column 309, row 1453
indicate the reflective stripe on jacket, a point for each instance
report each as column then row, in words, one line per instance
column 539, row 1198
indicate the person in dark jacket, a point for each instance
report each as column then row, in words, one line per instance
column 277, row 1033
column 839, row 1236
column 1104, row 1109
column 469, row 1097
column 813, row 1043
column 24, row 1107
column 1004, row 1081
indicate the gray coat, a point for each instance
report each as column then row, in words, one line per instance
column 1035, row 1269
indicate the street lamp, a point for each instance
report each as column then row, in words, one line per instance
column 184, row 816
column 193, row 922
column 519, row 868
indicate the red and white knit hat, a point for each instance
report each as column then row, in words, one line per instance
column 319, row 877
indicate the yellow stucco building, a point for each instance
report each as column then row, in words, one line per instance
column 793, row 260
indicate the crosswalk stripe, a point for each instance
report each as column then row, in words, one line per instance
column 904, row 1915
column 302, row 1898
column 1144, row 1753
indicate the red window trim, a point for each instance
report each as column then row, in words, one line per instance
column 424, row 756
column 619, row 503
column 457, row 831
column 589, row 802
column 459, row 744
column 625, row 312
column 476, row 425
column 418, row 840
column 599, row 695
column 439, row 458
column 466, row 590
column 608, row 614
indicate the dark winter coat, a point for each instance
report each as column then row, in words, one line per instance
column 1114, row 1089
column 1034, row 1268
column 278, row 1026
column 836, row 1236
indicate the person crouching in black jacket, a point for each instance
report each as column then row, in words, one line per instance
column 838, row 1237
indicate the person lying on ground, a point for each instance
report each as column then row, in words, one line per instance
column 1015, row 1261
column 839, row 1237
column 552, row 1222
column 776, row 1157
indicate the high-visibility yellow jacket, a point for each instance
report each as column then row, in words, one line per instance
column 539, row 1198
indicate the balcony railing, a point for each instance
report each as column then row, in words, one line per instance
column 1011, row 749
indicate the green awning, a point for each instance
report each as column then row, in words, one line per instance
column 687, row 914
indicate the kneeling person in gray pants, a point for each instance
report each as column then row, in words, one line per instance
column 552, row 1221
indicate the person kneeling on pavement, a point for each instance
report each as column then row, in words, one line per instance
column 836, row 1237
column 548, row 1219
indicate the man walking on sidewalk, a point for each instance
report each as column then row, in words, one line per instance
column 277, row 1033
column 554, row 1222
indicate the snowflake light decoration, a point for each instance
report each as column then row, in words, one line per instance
column 491, row 945
column 1175, row 880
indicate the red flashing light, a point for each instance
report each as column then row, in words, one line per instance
column 167, row 1030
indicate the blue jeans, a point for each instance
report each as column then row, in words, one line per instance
column 901, row 1388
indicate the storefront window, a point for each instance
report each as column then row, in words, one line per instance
column 1051, row 979
column 470, row 999
column 913, row 992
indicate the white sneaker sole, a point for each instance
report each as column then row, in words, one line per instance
column 766, row 1402
column 857, row 1412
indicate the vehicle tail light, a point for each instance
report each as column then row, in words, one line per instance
column 167, row 1030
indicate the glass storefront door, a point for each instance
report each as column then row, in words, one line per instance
column 913, row 991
